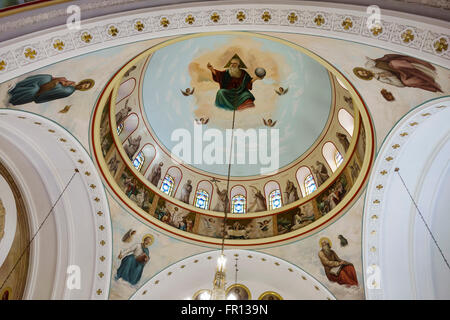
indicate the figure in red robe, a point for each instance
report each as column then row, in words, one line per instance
column 235, row 85
column 336, row 269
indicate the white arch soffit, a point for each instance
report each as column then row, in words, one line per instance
column 293, row 285
column 328, row 152
column 301, row 175
column 346, row 121
column 9, row 204
column 42, row 157
column 427, row 31
column 400, row 260
column 130, row 124
column 125, row 89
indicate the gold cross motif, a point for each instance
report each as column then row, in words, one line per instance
column 441, row 45
column 376, row 201
column 396, row 146
column 30, row 53
column 190, row 19
column 241, row 16
column 319, row 20
column 101, row 274
column 58, row 45
column 139, row 26
column 404, row 134
column 413, row 124
column 164, row 22
column 376, row 30
column 389, row 158
column 407, row 36
column 86, row 37
column 2, row 65
column 347, row 23
column 379, row 187
column 113, row 31
column 215, row 17
column 383, row 172
column 266, row 16
column 292, row 17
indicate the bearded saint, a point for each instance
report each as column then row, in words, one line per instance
column 336, row 269
column 235, row 85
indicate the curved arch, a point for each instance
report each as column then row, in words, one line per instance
column 206, row 186
column 346, row 121
column 126, row 88
column 329, row 151
column 130, row 124
column 149, row 152
column 176, row 174
column 238, row 195
column 269, row 188
column 301, row 175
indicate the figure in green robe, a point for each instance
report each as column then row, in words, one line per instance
column 235, row 85
column 42, row 88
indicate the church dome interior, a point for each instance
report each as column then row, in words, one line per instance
column 281, row 150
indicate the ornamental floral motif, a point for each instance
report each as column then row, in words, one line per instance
column 215, row 17
column 113, row 31
column 319, row 20
column 347, row 24
column 376, row 30
column 139, row 26
column 164, row 22
column 58, row 45
column 240, row 16
column 407, row 36
column 266, row 16
column 190, row 19
column 2, row 65
column 86, row 37
column 30, row 53
column 441, row 45
column 292, row 17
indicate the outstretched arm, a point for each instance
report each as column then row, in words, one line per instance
column 211, row 68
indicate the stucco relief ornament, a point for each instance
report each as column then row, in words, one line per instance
column 139, row 26
column 440, row 45
column 347, row 24
column 113, row 31
column 215, row 17
column 190, row 19
column 266, row 16
column 240, row 16
column 376, row 30
column 30, row 53
column 407, row 36
column 164, row 22
column 58, row 45
column 319, row 20
column 292, row 17
column 86, row 37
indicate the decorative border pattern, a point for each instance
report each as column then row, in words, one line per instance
column 382, row 173
column 402, row 34
column 98, row 200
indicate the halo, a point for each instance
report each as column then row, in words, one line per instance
column 325, row 238
column 368, row 77
column 90, row 81
column 148, row 236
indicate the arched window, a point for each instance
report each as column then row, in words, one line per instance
column 338, row 158
column 310, row 184
column 329, row 152
column 346, row 121
column 168, row 185
column 275, row 199
column 202, row 199
column 238, row 204
column 120, row 128
column 126, row 89
column 139, row 161
column 302, row 174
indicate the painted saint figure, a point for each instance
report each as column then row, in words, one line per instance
column 132, row 147
column 343, row 140
column 155, row 176
column 235, row 85
column 336, row 269
column 223, row 201
column 291, row 192
column 321, row 173
column 186, row 192
column 400, row 71
column 42, row 88
column 134, row 260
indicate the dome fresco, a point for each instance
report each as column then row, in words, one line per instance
column 128, row 120
column 299, row 114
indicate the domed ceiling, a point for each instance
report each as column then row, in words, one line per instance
column 299, row 112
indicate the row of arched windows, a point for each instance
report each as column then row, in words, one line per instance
column 238, row 194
